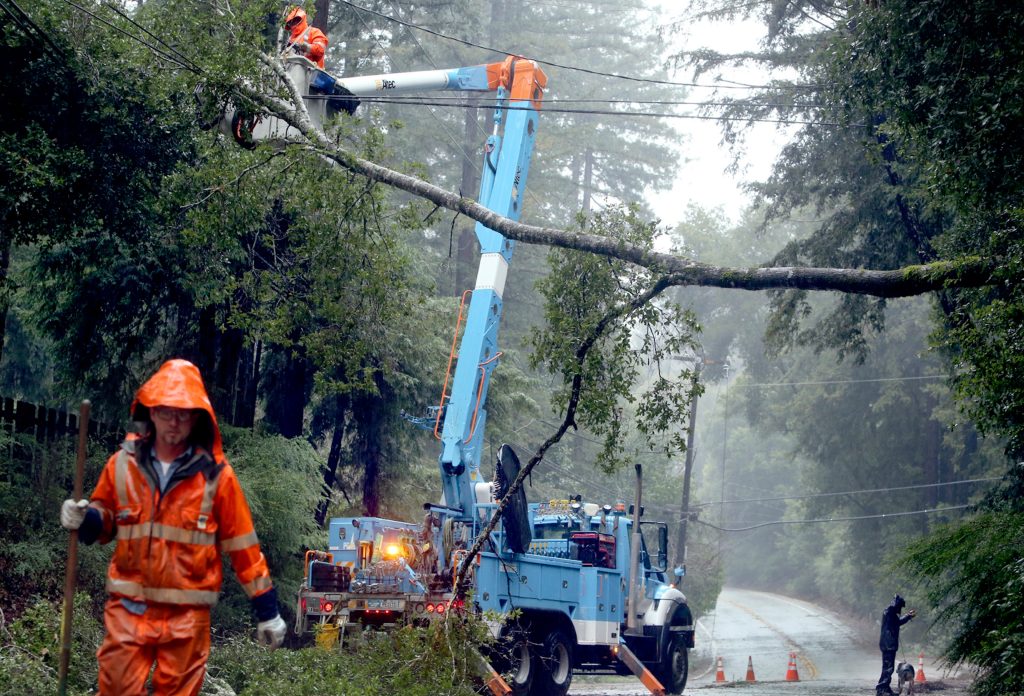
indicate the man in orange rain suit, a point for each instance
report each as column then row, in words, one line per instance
column 312, row 43
column 173, row 503
column 304, row 39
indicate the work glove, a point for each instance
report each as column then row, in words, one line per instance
column 271, row 632
column 302, row 47
column 72, row 513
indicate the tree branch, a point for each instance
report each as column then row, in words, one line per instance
column 612, row 315
column 902, row 282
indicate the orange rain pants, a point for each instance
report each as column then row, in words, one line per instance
column 177, row 638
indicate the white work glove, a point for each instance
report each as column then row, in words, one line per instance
column 72, row 513
column 302, row 47
column 271, row 632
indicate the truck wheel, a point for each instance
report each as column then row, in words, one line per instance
column 515, row 660
column 555, row 660
column 674, row 667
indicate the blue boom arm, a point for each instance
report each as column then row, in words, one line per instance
column 506, row 165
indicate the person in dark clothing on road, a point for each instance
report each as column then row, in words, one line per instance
column 889, row 641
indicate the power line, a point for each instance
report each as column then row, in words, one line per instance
column 588, row 71
column 472, row 162
column 493, row 102
column 830, row 519
column 28, row 26
column 866, row 490
column 156, row 38
column 599, row 112
column 158, row 51
column 842, row 381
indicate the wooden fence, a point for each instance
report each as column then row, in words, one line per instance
column 49, row 424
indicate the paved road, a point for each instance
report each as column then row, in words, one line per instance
column 832, row 660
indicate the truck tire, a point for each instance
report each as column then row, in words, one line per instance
column 555, row 660
column 515, row 659
column 674, row 667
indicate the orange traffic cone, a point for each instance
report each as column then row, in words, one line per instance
column 919, row 677
column 791, row 673
column 720, row 672
column 750, row 669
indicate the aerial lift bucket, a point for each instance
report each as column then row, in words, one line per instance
column 248, row 129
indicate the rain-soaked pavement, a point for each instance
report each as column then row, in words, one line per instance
column 832, row 659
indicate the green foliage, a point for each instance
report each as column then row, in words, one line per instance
column 85, row 115
column 30, row 649
column 799, row 422
column 974, row 574
column 415, row 661
column 281, row 479
column 34, row 480
column 594, row 300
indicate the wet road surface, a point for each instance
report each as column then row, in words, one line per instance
column 831, row 658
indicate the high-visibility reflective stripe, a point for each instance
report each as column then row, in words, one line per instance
column 257, row 585
column 162, row 594
column 239, row 542
column 206, row 507
column 165, row 531
column 121, row 477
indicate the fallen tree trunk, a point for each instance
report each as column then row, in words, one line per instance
column 902, row 282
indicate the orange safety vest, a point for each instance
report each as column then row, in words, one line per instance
column 169, row 545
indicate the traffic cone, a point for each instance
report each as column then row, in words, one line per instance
column 791, row 673
column 720, row 672
column 919, row 677
column 750, row 669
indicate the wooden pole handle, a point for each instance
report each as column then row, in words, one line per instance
column 70, row 575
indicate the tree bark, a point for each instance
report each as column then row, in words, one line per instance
column 5, row 264
column 588, row 179
column 288, row 393
column 333, row 463
column 691, row 429
column 320, row 21
column 369, row 433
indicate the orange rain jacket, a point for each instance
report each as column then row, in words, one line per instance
column 169, row 542
column 316, row 39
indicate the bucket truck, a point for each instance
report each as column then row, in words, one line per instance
column 587, row 584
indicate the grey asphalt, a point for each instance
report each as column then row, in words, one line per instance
column 832, row 658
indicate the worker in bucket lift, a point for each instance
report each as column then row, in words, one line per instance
column 173, row 503
column 312, row 43
column 304, row 39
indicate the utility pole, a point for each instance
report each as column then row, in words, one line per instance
column 691, row 427
column 588, row 180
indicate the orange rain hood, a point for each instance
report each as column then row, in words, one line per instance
column 178, row 384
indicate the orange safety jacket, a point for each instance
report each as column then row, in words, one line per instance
column 316, row 39
column 169, row 542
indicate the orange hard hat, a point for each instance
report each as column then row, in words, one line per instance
column 296, row 16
